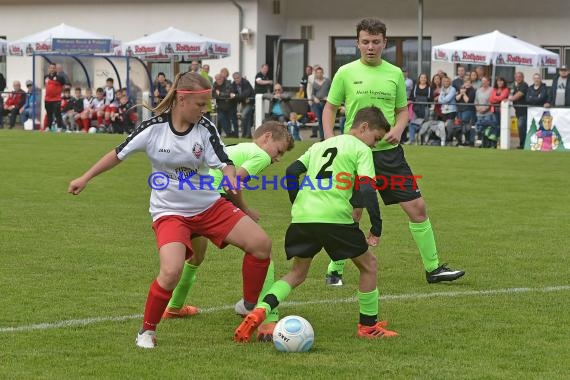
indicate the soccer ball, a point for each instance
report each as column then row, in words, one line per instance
column 92, row 130
column 293, row 334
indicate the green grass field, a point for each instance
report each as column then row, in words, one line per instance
column 75, row 273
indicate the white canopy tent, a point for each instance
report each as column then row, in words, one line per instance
column 62, row 39
column 172, row 44
column 497, row 49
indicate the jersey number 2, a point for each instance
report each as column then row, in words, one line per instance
column 324, row 173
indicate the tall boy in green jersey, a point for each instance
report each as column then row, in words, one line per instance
column 322, row 218
column 371, row 80
column 271, row 141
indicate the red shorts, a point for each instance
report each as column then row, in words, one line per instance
column 215, row 224
column 111, row 109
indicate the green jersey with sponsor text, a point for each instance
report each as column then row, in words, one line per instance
column 244, row 155
column 358, row 85
column 336, row 161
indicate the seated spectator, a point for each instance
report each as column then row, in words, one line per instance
column 73, row 110
column 159, row 85
column 14, row 105
column 294, row 126
column 279, row 108
column 126, row 119
column 66, row 109
column 31, row 106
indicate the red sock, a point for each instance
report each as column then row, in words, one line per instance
column 99, row 120
column 156, row 303
column 253, row 272
column 85, row 124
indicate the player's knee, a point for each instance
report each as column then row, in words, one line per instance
column 369, row 263
column 261, row 247
column 196, row 259
column 168, row 277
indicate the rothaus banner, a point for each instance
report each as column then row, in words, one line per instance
column 548, row 129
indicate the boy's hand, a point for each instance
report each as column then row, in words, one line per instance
column 372, row 240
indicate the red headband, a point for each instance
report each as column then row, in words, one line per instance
column 194, row 91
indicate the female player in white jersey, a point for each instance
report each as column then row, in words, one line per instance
column 179, row 141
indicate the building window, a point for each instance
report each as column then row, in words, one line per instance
column 564, row 53
column 400, row 51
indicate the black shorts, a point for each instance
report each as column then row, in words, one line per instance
column 396, row 184
column 340, row 241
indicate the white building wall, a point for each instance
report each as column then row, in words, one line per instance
column 443, row 21
column 128, row 21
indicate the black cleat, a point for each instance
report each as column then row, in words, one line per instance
column 443, row 273
column 334, row 279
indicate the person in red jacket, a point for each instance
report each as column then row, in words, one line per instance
column 54, row 83
column 16, row 100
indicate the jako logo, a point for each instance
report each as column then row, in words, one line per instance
column 163, row 150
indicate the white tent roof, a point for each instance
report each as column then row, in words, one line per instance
column 172, row 41
column 42, row 42
column 497, row 49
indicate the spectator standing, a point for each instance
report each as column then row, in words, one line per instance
column 244, row 97
column 518, row 97
column 263, row 83
column 537, row 93
column 458, row 81
column 560, row 91
column 221, row 91
column 465, row 108
column 320, row 91
column 54, row 83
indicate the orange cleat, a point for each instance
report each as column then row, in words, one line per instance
column 250, row 323
column 376, row 331
column 265, row 332
column 184, row 312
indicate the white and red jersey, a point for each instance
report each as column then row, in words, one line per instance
column 189, row 155
column 88, row 103
column 98, row 103
column 110, row 97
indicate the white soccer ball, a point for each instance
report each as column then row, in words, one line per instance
column 293, row 334
column 92, row 130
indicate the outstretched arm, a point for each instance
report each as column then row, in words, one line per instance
column 293, row 173
column 108, row 161
column 329, row 115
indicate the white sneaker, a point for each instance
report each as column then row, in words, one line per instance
column 146, row 339
column 240, row 308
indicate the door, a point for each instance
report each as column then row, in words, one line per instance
column 292, row 58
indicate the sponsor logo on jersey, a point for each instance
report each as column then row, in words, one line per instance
column 197, row 150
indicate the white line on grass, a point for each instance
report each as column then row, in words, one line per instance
column 387, row 297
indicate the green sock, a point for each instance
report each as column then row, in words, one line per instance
column 368, row 302
column 273, row 315
column 423, row 236
column 336, row 266
column 280, row 291
column 181, row 291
